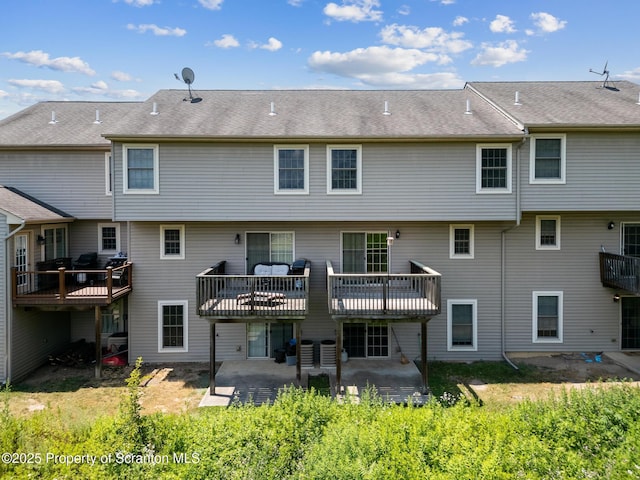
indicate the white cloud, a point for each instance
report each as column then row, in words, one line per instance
column 404, row 10
column 354, row 11
column 272, row 45
column 3, row 94
column 211, row 4
column 49, row 86
column 366, row 62
column 39, row 58
column 121, row 76
column 547, row 23
column 102, row 89
column 140, row 3
column 295, row 3
column 502, row 24
column 459, row 20
column 413, row 81
column 227, row 41
column 631, row 75
column 433, row 38
column 500, row 54
column 156, row 30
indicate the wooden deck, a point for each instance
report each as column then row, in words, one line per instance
column 61, row 289
column 247, row 298
column 406, row 297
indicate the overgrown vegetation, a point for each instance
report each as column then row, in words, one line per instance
column 591, row 433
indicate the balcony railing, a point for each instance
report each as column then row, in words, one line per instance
column 620, row 271
column 68, row 287
column 407, row 296
column 246, row 297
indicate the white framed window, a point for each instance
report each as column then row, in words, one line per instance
column 172, row 242
column 108, row 178
column 108, row 238
column 54, row 241
column 344, row 169
column 547, row 163
column 547, row 317
column 462, row 325
column 173, row 326
column 291, row 169
column 140, row 167
column 364, row 252
column 547, row 232
column 493, row 168
column 461, row 241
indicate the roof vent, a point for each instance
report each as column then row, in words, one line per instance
column 386, row 108
column 53, row 120
column 638, row 102
column 272, row 111
column 517, row 99
column 468, row 110
column 155, row 109
column 97, row 121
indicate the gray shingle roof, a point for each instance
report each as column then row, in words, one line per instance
column 30, row 210
column 336, row 114
column 566, row 104
column 74, row 127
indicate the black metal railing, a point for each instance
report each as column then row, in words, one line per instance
column 620, row 271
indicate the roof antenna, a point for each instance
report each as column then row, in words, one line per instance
column 605, row 73
column 188, row 77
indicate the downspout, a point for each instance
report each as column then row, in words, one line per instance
column 503, row 255
column 9, row 304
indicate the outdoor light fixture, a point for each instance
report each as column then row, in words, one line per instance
column 41, row 240
column 397, row 233
column 237, row 239
column 616, row 297
column 611, row 225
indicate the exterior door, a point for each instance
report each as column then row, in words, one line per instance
column 630, row 323
column 263, row 339
column 269, row 247
column 55, row 242
column 364, row 252
column 362, row 340
column 21, row 262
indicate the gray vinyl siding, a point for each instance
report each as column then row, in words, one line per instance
column 235, row 182
column 72, row 181
column 35, row 335
column 207, row 243
column 4, row 297
column 602, row 174
column 84, row 238
column 590, row 317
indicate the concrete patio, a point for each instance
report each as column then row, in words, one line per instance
column 259, row 381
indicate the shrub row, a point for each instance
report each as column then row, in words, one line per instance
column 594, row 433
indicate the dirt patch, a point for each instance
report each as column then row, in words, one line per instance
column 174, row 388
column 578, row 367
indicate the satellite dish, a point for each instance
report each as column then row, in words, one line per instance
column 605, row 73
column 188, row 77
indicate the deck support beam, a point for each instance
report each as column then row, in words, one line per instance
column 423, row 355
column 339, row 357
column 212, row 359
column 98, row 327
column 298, row 348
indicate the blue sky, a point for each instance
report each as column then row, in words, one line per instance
column 129, row 49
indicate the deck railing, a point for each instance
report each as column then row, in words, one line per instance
column 620, row 271
column 70, row 287
column 381, row 295
column 231, row 297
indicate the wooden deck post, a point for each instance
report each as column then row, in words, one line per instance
column 423, row 354
column 98, row 326
column 298, row 356
column 339, row 357
column 212, row 359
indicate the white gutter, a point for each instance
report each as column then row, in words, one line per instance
column 8, row 304
column 503, row 254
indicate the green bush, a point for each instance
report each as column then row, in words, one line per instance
column 594, row 433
